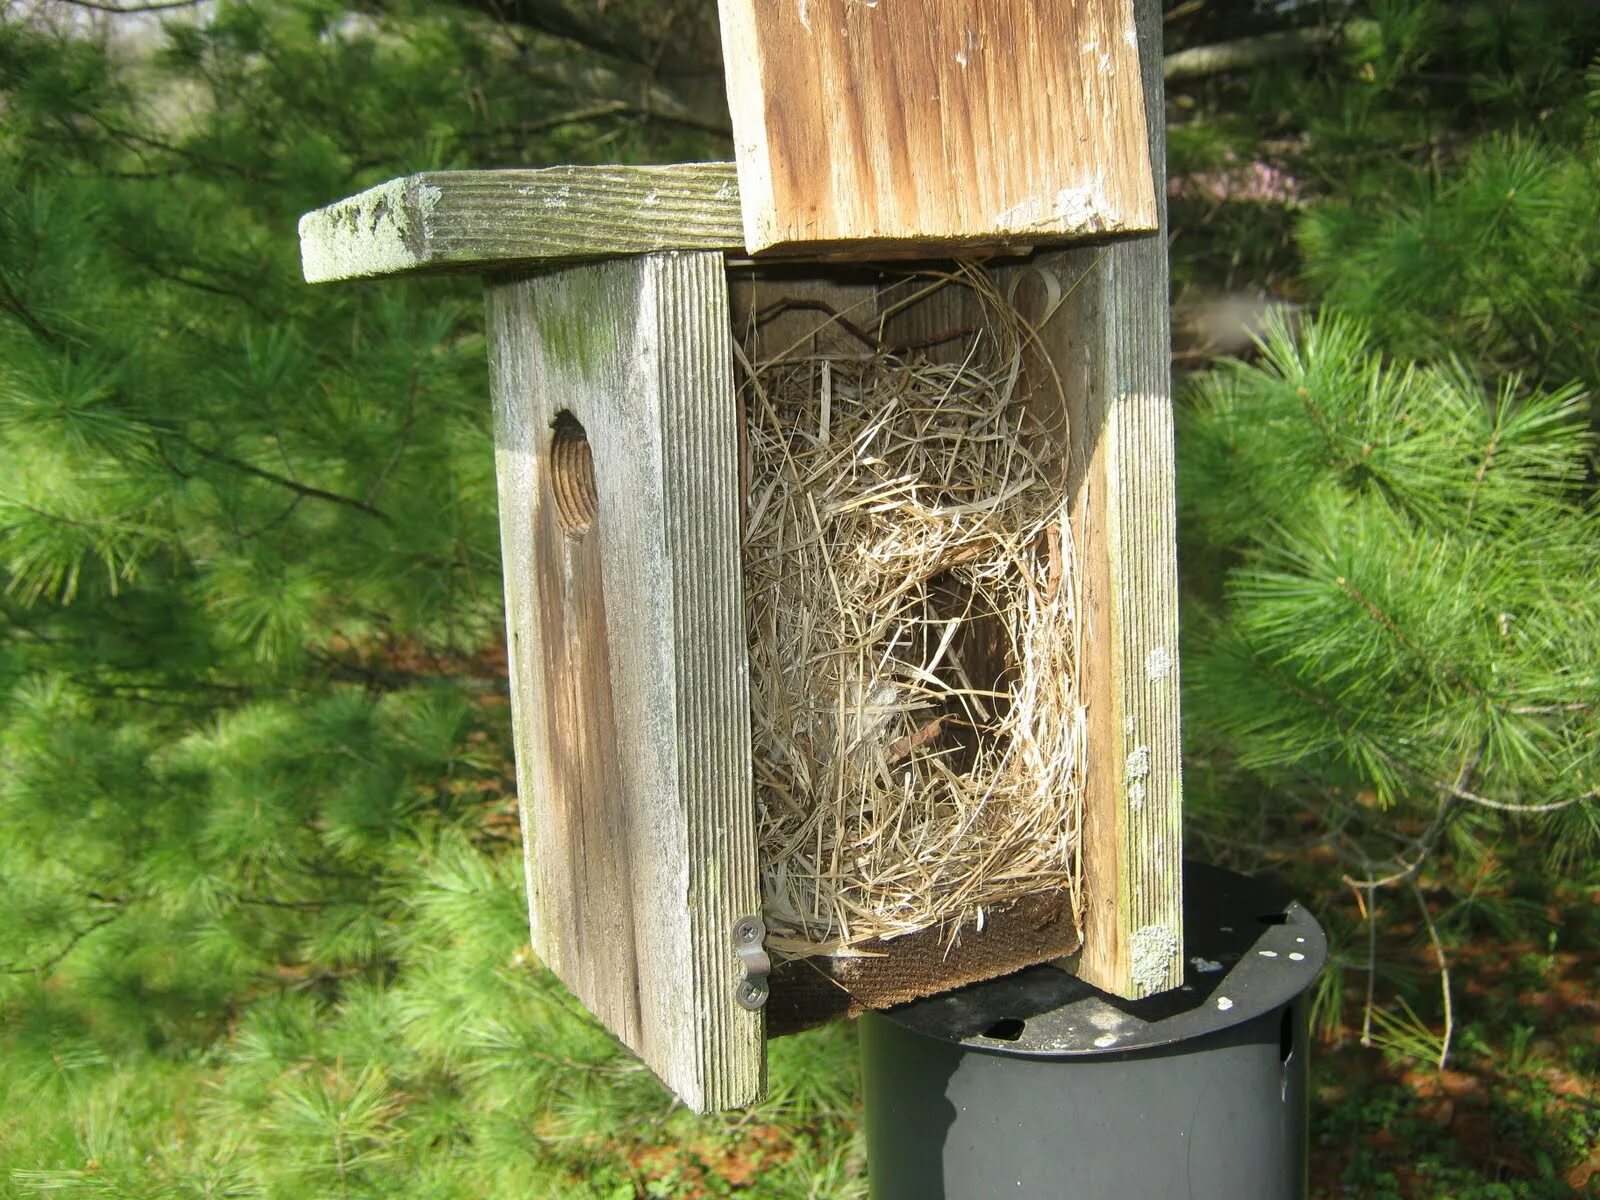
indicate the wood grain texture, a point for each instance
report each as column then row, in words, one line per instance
column 801, row 309
column 1103, row 319
column 627, row 653
column 446, row 221
column 921, row 124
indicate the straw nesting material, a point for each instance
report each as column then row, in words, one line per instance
column 912, row 609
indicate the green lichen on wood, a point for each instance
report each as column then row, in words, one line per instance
column 381, row 231
column 577, row 337
column 462, row 221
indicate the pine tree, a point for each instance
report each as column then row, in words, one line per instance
column 1408, row 615
column 264, row 931
column 1389, row 519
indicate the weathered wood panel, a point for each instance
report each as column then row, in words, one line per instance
column 485, row 221
column 924, row 125
column 1102, row 315
column 617, row 451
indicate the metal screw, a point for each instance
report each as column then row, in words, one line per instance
column 752, row 994
column 748, row 934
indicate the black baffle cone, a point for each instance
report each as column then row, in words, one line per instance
column 1040, row 1087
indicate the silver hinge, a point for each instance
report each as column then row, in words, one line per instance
column 748, row 935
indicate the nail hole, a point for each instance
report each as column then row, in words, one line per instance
column 1007, row 1029
column 572, row 476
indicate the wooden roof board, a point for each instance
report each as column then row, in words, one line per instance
column 901, row 123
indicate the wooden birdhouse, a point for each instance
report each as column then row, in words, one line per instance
column 836, row 502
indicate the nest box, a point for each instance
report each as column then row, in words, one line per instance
column 1020, row 136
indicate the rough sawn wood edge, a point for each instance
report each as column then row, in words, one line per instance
column 453, row 221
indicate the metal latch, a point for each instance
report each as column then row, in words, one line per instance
column 748, row 935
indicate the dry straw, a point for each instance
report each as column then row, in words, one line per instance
column 912, row 604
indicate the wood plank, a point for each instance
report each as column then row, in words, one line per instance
column 801, row 308
column 1103, row 318
column 624, row 611
column 866, row 127
column 445, row 221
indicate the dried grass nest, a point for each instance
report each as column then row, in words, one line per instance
column 912, row 607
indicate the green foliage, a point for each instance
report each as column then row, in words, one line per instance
column 265, row 932
column 1410, row 610
column 1501, row 255
column 263, row 926
column 1396, row 499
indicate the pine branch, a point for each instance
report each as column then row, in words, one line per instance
column 1425, row 846
column 300, row 489
column 1202, row 61
column 129, row 136
column 1444, row 973
column 403, row 442
column 13, row 303
column 1488, row 459
column 1512, row 807
column 1417, row 651
column 200, row 285
column 517, row 134
column 118, row 10
column 296, row 905
column 585, row 28
column 49, row 964
column 703, row 107
column 1431, row 836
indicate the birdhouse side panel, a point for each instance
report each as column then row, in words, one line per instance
column 626, row 665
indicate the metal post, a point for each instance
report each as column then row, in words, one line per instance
column 1040, row 1087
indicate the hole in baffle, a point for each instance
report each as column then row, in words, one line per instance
column 1007, row 1029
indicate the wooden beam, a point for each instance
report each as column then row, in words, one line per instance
column 485, row 221
column 617, row 451
column 1102, row 315
column 922, row 126
column 1102, row 345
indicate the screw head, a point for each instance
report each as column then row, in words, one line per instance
column 752, row 994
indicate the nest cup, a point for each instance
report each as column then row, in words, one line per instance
column 912, row 602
